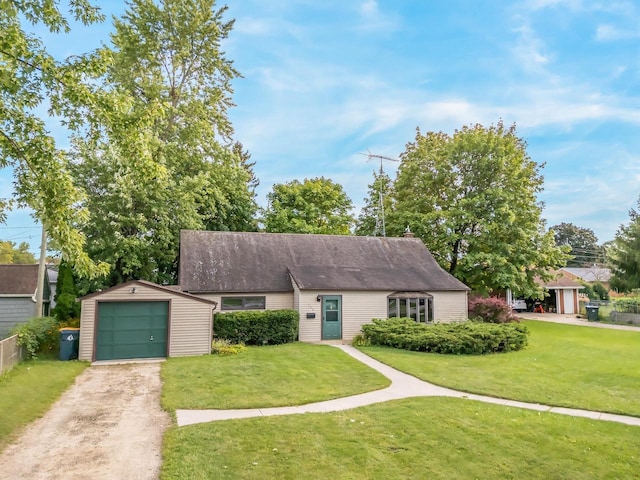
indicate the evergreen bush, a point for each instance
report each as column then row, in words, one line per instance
column 450, row 338
column 257, row 327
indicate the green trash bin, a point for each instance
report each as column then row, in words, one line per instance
column 592, row 312
column 69, row 341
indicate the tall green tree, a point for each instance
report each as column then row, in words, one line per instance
column 316, row 205
column 31, row 80
column 16, row 254
column 471, row 197
column 624, row 254
column 583, row 242
column 67, row 308
column 372, row 218
column 163, row 158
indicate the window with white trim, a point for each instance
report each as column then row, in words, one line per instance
column 243, row 303
column 420, row 309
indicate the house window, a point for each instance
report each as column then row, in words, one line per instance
column 243, row 303
column 420, row 309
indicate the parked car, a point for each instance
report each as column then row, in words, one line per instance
column 519, row 305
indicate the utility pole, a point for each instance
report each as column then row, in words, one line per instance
column 380, row 222
column 41, row 270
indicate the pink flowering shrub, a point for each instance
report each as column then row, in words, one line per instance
column 490, row 310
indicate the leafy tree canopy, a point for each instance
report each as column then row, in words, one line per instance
column 10, row 253
column 583, row 242
column 316, row 205
column 32, row 79
column 624, row 254
column 471, row 197
column 161, row 158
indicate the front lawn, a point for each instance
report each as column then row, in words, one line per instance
column 563, row 365
column 268, row 376
column 435, row 438
column 29, row 389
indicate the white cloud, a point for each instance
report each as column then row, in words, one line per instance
column 373, row 19
column 528, row 49
column 608, row 33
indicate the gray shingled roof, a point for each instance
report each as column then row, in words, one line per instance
column 18, row 279
column 262, row 262
column 590, row 274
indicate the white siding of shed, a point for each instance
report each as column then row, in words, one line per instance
column 450, row 306
column 190, row 320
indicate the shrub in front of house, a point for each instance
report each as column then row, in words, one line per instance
column 223, row 347
column 491, row 310
column 257, row 327
column 38, row 335
column 449, row 338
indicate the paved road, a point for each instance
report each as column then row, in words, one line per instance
column 108, row 425
column 572, row 320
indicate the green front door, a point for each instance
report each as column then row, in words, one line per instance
column 132, row 330
column 331, row 317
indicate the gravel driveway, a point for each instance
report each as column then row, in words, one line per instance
column 108, row 425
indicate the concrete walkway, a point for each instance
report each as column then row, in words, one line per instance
column 402, row 386
column 572, row 320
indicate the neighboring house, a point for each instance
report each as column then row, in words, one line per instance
column 52, row 271
column 589, row 274
column 562, row 295
column 336, row 283
column 18, row 295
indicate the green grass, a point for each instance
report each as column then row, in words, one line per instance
column 29, row 389
column 564, row 365
column 269, row 376
column 435, row 438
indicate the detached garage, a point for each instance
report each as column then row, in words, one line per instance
column 140, row 319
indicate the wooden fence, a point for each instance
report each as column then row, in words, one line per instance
column 10, row 353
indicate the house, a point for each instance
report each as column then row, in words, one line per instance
column 52, row 272
column 589, row 274
column 336, row 283
column 18, row 296
column 562, row 295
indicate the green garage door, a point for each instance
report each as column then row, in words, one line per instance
column 132, row 330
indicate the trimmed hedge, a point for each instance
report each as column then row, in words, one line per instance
column 451, row 338
column 257, row 327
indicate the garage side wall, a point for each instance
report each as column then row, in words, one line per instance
column 190, row 320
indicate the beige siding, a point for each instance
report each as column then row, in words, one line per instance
column 273, row 301
column 358, row 308
column 310, row 327
column 450, row 306
column 189, row 320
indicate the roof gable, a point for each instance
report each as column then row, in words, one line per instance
column 590, row 274
column 173, row 289
column 18, row 279
column 560, row 279
column 262, row 262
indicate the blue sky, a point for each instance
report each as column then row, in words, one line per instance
column 325, row 80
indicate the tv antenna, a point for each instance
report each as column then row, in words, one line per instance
column 380, row 223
